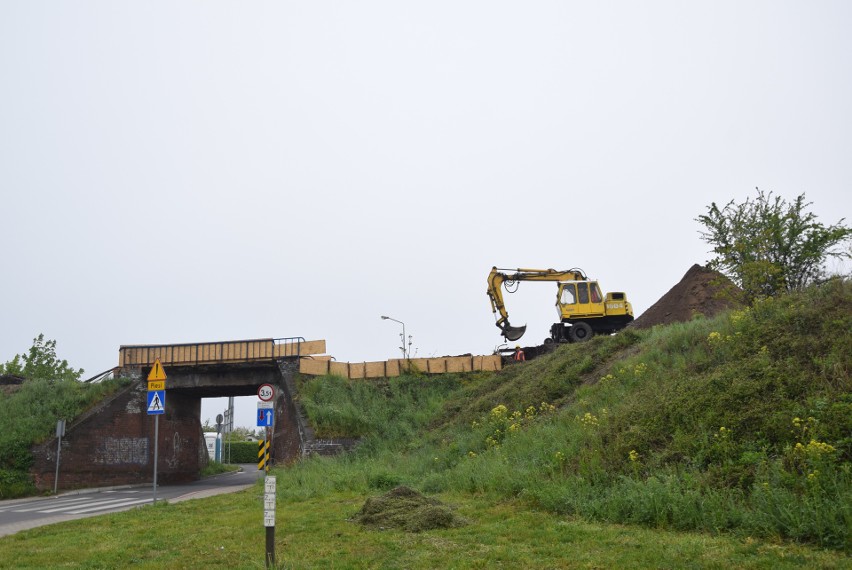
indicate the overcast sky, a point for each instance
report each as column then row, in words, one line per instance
column 209, row 170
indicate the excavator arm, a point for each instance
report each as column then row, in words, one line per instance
column 497, row 280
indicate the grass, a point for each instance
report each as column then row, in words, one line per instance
column 216, row 468
column 227, row 532
column 738, row 424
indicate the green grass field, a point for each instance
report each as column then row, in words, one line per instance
column 227, row 532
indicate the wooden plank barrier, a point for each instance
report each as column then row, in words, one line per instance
column 191, row 354
column 320, row 366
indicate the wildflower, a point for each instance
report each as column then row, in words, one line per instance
column 514, row 427
column 714, row 337
column 607, row 378
column 499, row 412
column 559, row 457
column 529, row 413
column 724, row 433
column 813, row 475
column 471, row 454
column 588, row 420
column 640, row 369
column 818, row 448
column 633, row 456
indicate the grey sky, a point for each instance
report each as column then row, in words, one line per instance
column 200, row 171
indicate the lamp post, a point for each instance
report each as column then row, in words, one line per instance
column 402, row 336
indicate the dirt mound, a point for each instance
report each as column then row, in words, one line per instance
column 407, row 510
column 701, row 291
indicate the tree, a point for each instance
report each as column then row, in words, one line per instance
column 41, row 362
column 767, row 246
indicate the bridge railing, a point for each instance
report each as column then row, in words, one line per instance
column 232, row 351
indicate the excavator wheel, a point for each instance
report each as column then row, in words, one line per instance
column 580, row 332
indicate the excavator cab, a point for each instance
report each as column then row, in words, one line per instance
column 579, row 298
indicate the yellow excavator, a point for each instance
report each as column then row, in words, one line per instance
column 583, row 310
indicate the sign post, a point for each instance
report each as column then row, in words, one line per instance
column 156, row 407
column 60, row 431
column 265, row 418
column 269, row 519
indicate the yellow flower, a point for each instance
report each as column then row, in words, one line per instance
column 499, row 412
column 588, row 420
column 818, row 448
column 633, row 456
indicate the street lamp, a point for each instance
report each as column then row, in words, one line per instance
column 402, row 336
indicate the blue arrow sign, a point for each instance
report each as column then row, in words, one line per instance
column 264, row 417
column 156, row 402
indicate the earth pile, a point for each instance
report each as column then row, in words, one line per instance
column 701, row 291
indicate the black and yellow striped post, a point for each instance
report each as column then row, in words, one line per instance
column 263, row 455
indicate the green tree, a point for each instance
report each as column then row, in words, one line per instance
column 41, row 363
column 767, row 246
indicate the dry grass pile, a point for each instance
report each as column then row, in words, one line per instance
column 405, row 509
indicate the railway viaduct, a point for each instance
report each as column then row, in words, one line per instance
column 113, row 443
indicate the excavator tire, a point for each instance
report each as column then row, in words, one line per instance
column 580, row 332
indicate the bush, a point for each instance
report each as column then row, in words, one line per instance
column 241, row 451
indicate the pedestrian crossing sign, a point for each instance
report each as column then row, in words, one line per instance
column 156, row 402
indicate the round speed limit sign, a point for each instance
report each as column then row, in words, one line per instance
column 266, row 392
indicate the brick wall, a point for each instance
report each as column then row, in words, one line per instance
column 113, row 444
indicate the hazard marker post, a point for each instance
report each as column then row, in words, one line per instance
column 156, row 405
column 265, row 418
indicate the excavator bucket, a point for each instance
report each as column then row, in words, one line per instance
column 513, row 333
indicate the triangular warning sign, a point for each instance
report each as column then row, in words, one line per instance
column 157, row 371
column 155, row 405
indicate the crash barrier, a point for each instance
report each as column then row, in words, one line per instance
column 321, row 366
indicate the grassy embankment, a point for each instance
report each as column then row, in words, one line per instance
column 28, row 417
column 719, row 442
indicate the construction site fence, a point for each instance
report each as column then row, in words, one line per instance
column 391, row 368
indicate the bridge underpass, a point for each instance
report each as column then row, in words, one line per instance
column 113, row 444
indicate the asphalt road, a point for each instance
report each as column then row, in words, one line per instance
column 21, row 514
